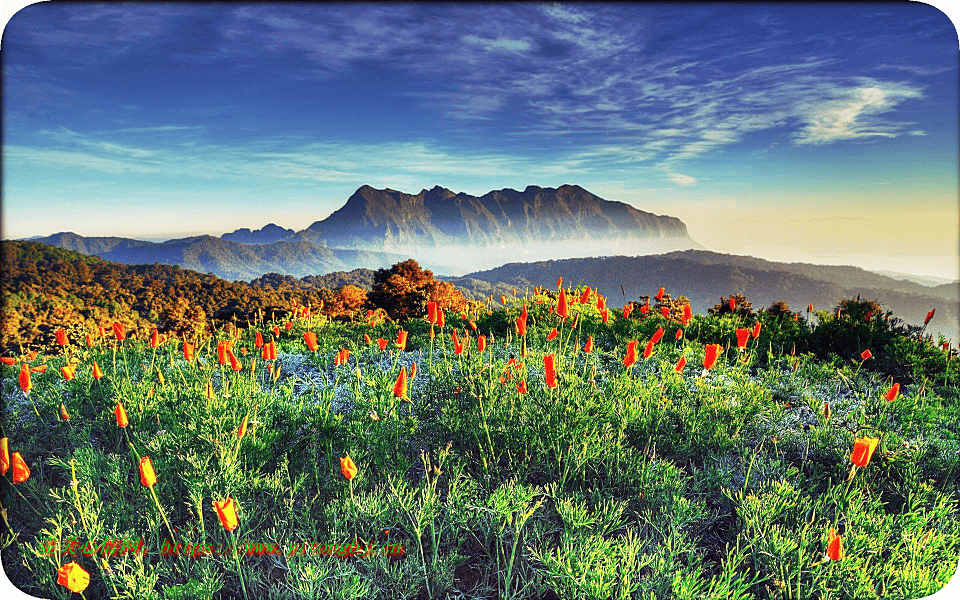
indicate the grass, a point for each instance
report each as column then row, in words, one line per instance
column 619, row 482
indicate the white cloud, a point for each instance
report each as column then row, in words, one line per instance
column 851, row 113
column 684, row 180
column 497, row 44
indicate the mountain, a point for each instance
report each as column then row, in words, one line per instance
column 927, row 280
column 704, row 276
column 439, row 225
column 269, row 234
column 227, row 259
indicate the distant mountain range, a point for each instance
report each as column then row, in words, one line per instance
column 445, row 231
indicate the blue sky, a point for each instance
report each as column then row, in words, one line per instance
column 817, row 133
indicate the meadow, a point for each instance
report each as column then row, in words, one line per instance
column 539, row 445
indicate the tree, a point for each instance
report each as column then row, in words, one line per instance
column 346, row 302
column 404, row 290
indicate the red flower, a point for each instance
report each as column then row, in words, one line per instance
column 97, row 373
column 121, row 414
column 222, row 352
column 711, row 353
column 834, row 545
column 148, row 476
column 563, row 311
column 258, row 343
column 431, row 312
column 188, row 349
column 311, row 339
column 441, row 318
column 382, row 343
column 402, row 339
column 61, row 337
column 657, row 335
column 756, row 329
column 631, row 356
column 733, row 303
column 648, row 350
column 588, row 347
column 810, row 308
column 585, row 296
column 606, row 316
column 892, row 393
column 522, row 387
column 550, row 371
column 227, row 513
column 503, row 299
column 39, row 369
column 8, row 360
column 120, row 331
column 929, row 316
column 26, row 384
column 679, row 334
column 869, row 314
column 482, row 343
column 680, row 364
column 665, row 311
column 560, row 282
column 865, row 354
column 21, row 472
column 863, row 449
column 522, row 322
column 234, row 362
column 276, row 332
column 155, row 339
column 553, row 334
column 288, row 325
column 626, row 310
column 601, row 302
column 687, row 314
column 659, row 295
column 742, row 336
column 400, row 387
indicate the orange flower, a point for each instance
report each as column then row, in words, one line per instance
column 258, row 341
column 503, row 299
column 234, row 363
column 89, row 341
column 550, row 370
column 4, row 455
column 863, row 449
column 626, row 310
column 121, row 414
column 222, row 352
column 710, row 355
column 834, row 545
column 742, row 336
column 648, row 351
column 97, row 373
column 521, row 325
column 733, row 303
column 73, row 577
column 563, row 311
column 63, row 412
column 276, row 332
column 382, row 343
column 311, row 339
column 8, row 360
column 61, row 337
column 660, row 292
column 810, row 308
column 288, row 326
column 400, row 387
column 39, row 369
column 585, row 296
column 560, row 282
column 120, row 331
column 481, row 343
column 679, row 335
column 680, row 364
column 601, row 302
column 522, row 387
column 441, row 318
column 657, row 335
column 605, row 315
column 645, row 308
column 431, row 312
column 433, row 334
column 892, row 393
column 69, row 371
column 588, row 347
column 929, row 316
column 243, row 427
column 665, row 311
column 413, row 370
column 865, row 354
column 188, row 349
column 687, row 314
column 21, row 472
column 347, row 467
column 402, row 339
column 147, row 475
column 26, row 384
column 552, row 335
column 756, row 329
column 227, row 513
column 155, row 339
column 631, row 356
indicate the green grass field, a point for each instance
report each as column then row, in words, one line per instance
column 500, row 477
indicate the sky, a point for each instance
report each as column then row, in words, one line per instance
column 824, row 133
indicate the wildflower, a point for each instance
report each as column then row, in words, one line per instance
column 657, row 335
column 413, row 370
column 481, row 343
column 120, row 331
column 522, row 323
column 869, row 315
column 687, row 314
column 834, row 545
column 627, row 308
column 865, row 354
column 503, row 299
column 929, row 316
column 585, row 296
column 665, row 311
column 659, row 295
column 631, row 356
column 601, row 302
column 21, row 472
column 243, row 427
column 61, row 337
column 73, row 577
column 550, row 370
column 258, row 341
column 441, row 318
column 553, row 334
column 121, row 414
column 522, row 387
column 863, row 449
column 8, row 360
column 400, row 387
column 288, row 326
column 227, row 513
column 234, row 364
column 711, row 353
column 89, row 340
column 680, row 364
column 311, row 339
column 155, row 339
column 826, row 410
column 563, row 311
column 347, row 467
column 810, row 308
column 605, row 315
column 648, row 350
column 560, row 282
column 148, row 476
column 63, row 412
column 402, row 339
column 472, row 325
column 4, row 455
column 39, row 369
column 756, row 329
column 69, row 371
column 432, row 312
column 892, row 393
column 679, row 334
column 276, row 332
column 588, row 347
column 733, row 303
column 742, row 336
column 26, row 384
column 222, row 352
column 433, row 334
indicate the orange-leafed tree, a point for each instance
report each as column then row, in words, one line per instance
column 346, row 303
column 404, row 290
